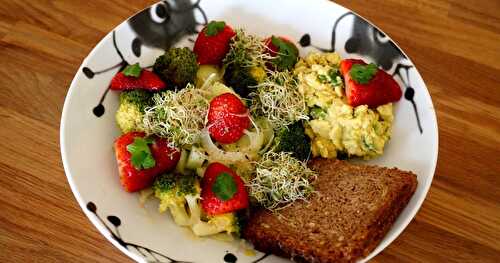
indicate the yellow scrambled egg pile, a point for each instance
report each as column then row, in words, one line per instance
column 335, row 126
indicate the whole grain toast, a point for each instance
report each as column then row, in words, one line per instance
column 354, row 207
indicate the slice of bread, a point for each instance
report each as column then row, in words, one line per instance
column 354, row 207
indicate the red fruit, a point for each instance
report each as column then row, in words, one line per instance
column 132, row 180
column 211, row 201
column 380, row 90
column 285, row 53
column 273, row 50
column 212, row 48
column 227, row 118
column 147, row 80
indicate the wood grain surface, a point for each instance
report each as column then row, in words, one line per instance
column 454, row 44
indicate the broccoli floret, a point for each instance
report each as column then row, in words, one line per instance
column 174, row 191
column 165, row 183
column 242, row 78
column 181, row 195
column 131, row 110
column 292, row 138
column 244, row 63
column 187, row 185
column 177, row 67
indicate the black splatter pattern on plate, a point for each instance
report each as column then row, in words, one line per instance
column 152, row 256
column 149, row 254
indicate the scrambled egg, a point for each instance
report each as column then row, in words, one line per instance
column 335, row 126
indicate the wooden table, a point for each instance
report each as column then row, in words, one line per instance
column 455, row 45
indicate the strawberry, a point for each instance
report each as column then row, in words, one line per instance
column 227, row 118
column 222, row 190
column 285, row 52
column 274, row 49
column 369, row 85
column 133, row 77
column 138, row 166
column 212, row 43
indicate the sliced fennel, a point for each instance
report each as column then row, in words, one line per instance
column 195, row 159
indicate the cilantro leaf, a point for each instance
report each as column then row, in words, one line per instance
column 362, row 74
column 148, row 161
column 214, row 28
column 224, row 186
column 287, row 54
column 133, row 70
column 141, row 156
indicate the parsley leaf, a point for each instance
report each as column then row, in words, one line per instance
column 141, row 158
column 214, row 28
column 224, row 186
column 287, row 54
column 133, row 70
column 362, row 74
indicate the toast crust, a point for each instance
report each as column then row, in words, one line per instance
column 352, row 210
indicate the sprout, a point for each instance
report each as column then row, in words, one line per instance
column 279, row 180
column 247, row 51
column 178, row 116
column 279, row 100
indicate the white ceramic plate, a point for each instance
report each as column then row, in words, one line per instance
column 88, row 128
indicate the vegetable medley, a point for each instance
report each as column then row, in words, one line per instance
column 232, row 123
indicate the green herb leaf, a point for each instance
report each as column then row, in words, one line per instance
column 133, row 70
column 362, row 74
column 333, row 73
column 224, row 186
column 287, row 54
column 141, row 158
column 322, row 78
column 214, row 27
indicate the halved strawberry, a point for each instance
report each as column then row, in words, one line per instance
column 222, row 190
column 137, row 170
column 227, row 118
column 212, row 43
column 134, row 77
column 285, row 52
column 369, row 86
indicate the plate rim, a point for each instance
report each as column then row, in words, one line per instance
column 62, row 141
